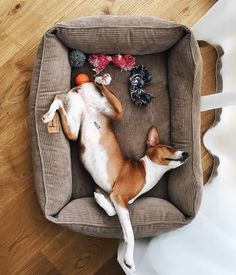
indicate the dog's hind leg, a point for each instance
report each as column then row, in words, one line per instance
column 105, row 203
column 56, row 104
column 121, row 207
column 70, row 125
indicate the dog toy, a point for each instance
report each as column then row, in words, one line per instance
column 125, row 62
column 81, row 78
column 76, row 59
column 140, row 76
column 104, row 80
column 100, row 61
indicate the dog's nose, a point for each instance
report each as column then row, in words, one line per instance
column 185, row 155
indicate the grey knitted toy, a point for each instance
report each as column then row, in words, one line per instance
column 76, row 58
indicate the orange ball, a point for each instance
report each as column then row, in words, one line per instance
column 81, row 78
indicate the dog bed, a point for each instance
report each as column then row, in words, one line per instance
column 170, row 52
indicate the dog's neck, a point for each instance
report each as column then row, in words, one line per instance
column 154, row 171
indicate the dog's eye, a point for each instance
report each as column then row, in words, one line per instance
column 169, row 159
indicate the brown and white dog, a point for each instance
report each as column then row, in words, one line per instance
column 89, row 109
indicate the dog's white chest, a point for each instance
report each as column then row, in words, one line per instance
column 154, row 172
column 94, row 157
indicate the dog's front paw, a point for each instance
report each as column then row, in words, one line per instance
column 104, row 80
column 48, row 117
column 129, row 262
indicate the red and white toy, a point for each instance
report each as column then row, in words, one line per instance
column 100, row 61
column 125, row 62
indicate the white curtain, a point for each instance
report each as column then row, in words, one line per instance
column 207, row 246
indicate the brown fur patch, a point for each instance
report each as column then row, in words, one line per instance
column 129, row 183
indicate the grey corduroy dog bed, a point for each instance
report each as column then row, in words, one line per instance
column 169, row 50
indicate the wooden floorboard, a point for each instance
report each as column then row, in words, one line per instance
column 30, row 244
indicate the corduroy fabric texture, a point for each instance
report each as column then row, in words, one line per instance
column 171, row 53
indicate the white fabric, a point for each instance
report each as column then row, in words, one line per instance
column 207, row 246
column 219, row 100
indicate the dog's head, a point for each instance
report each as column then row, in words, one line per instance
column 163, row 154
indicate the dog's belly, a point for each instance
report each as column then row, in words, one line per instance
column 94, row 157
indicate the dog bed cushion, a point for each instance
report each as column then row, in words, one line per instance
column 169, row 50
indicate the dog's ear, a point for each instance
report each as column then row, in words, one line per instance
column 152, row 137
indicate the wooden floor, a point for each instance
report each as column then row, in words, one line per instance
column 29, row 244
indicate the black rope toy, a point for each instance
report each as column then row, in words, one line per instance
column 140, row 76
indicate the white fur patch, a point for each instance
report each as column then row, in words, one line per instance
column 94, row 99
column 74, row 108
column 154, row 172
column 175, row 164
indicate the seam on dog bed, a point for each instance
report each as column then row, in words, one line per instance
column 197, row 182
column 109, row 18
column 116, row 27
column 116, row 232
column 219, row 88
column 36, row 129
column 100, row 225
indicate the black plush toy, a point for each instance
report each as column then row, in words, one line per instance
column 140, row 77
